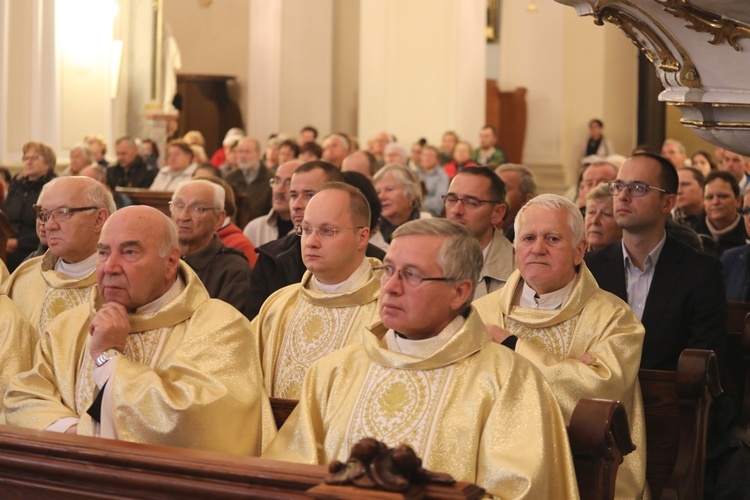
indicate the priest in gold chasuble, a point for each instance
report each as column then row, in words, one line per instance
column 150, row 358
column 585, row 341
column 336, row 299
column 17, row 342
column 430, row 376
column 70, row 214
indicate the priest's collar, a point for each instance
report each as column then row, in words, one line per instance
column 350, row 284
column 77, row 269
column 548, row 301
column 426, row 347
column 176, row 289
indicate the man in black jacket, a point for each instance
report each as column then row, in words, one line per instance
column 676, row 292
column 130, row 169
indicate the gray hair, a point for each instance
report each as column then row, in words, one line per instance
column 554, row 202
column 86, row 150
column 95, row 193
column 344, row 141
column 404, row 177
column 399, row 149
column 169, row 240
column 526, row 182
column 680, row 146
column 600, row 192
column 219, row 193
column 459, row 258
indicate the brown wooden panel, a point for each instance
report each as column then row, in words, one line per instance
column 508, row 113
column 142, row 196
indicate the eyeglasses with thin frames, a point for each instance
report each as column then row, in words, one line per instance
column 322, row 232
column 470, row 202
column 407, row 275
column 193, row 210
column 636, row 189
column 58, row 214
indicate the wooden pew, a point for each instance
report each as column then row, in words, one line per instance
column 599, row 439
column 676, row 407
column 35, row 464
column 141, row 196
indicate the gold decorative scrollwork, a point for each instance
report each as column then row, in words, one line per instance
column 701, row 21
column 655, row 49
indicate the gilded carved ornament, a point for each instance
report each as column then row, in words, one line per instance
column 701, row 21
column 649, row 41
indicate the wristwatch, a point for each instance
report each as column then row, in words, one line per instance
column 105, row 356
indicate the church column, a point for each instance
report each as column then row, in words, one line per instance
column 422, row 69
column 291, row 64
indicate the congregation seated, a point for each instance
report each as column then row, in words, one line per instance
column 461, row 159
column 80, row 158
column 585, row 341
column 197, row 210
column 38, row 169
column 71, row 211
column 335, row 300
column 400, row 197
column 601, row 229
column 688, row 209
column 181, row 164
column 130, row 171
column 520, row 187
column 427, row 374
column 488, row 154
column 250, row 182
column 278, row 222
column 434, row 180
column 149, row 357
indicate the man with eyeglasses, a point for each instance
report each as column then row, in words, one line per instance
column 197, row 209
column 280, row 261
column 428, row 374
column 278, row 222
column 150, row 357
column 476, row 200
column 335, row 300
column 585, row 341
column 676, row 292
column 72, row 211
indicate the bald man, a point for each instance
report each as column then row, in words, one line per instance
column 150, row 358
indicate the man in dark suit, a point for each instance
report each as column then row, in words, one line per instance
column 676, row 292
column 736, row 262
column 130, row 170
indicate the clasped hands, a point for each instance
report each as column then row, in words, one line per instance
column 109, row 329
column 499, row 335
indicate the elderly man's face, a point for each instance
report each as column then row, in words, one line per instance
column 77, row 161
column 734, row 164
column 129, row 270
column 177, row 159
column 600, row 226
column 393, row 155
column 248, row 153
column 594, row 175
column 195, row 228
column 71, row 237
column 282, row 180
column 672, row 153
column 332, row 259
column 126, row 153
column 546, row 254
column 417, row 311
column 333, row 151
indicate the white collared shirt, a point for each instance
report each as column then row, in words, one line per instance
column 637, row 282
column 547, row 301
column 77, row 269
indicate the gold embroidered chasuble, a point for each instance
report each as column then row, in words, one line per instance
column 41, row 293
column 17, row 343
column 188, row 377
column 297, row 326
column 4, row 274
column 472, row 409
column 591, row 321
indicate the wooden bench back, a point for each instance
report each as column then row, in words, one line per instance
column 676, row 406
column 35, row 464
column 735, row 375
column 157, row 199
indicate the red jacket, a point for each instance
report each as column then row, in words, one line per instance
column 232, row 236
